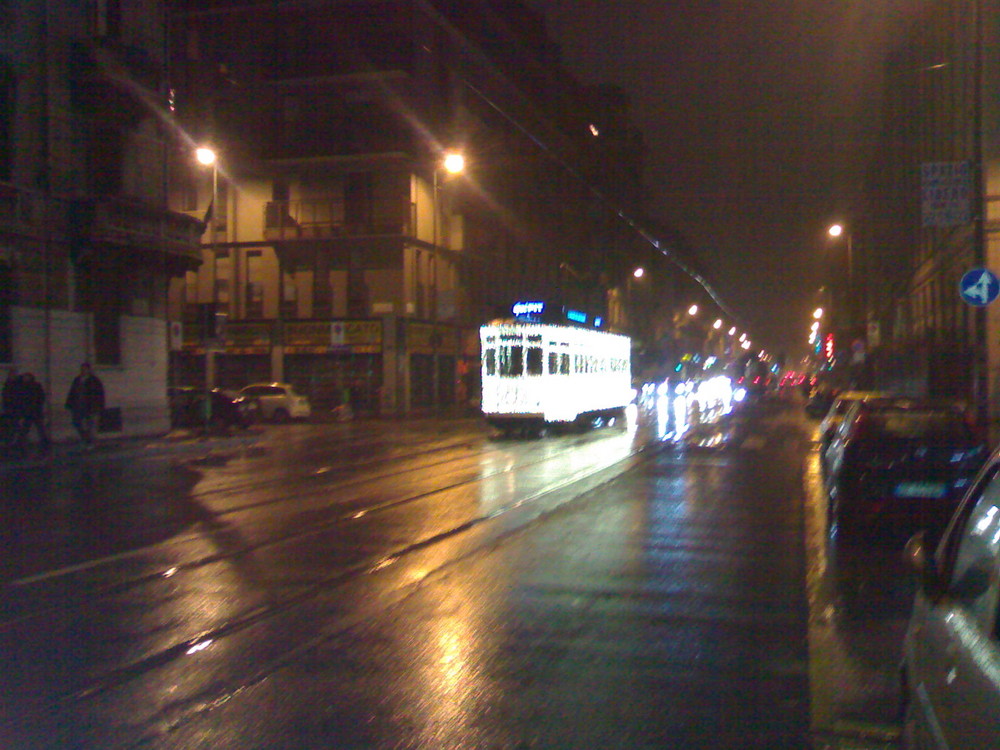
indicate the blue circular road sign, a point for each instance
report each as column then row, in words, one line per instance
column 979, row 287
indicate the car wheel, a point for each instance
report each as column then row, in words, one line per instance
column 280, row 415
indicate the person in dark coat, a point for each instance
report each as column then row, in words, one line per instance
column 31, row 412
column 85, row 402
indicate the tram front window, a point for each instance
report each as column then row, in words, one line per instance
column 535, row 360
column 512, row 361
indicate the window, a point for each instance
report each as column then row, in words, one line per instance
column 512, row 361
column 254, row 300
column 491, row 361
column 553, row 363
column 978, row 554
column 102, row 294
column 534, row 363
column 358, row 198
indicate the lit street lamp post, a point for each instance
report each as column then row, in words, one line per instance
column 207, row 157
column 835, row 231
column 453, row 163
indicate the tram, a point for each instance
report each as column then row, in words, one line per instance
column 537, row 374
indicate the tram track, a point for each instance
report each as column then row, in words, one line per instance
column 111, row 677
column 316, row 484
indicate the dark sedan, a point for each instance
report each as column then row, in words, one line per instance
column 187, row 409
column 901, row 461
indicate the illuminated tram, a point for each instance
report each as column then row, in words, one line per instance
column 536, row 374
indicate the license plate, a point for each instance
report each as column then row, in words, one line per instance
column 921, row 489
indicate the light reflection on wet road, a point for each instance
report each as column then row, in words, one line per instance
column 421, row 586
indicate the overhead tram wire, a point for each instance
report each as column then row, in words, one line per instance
column 661, row 247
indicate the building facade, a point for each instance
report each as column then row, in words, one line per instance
column 940, row 123
column 343, row 257
column 87, row 244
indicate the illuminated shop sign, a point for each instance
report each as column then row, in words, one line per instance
column 528, row 308
column 576, row 316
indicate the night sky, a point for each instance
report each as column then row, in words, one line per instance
column 757, row 117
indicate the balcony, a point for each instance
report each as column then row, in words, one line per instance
column 329, row 218
column 99, row 69
column 135, row 224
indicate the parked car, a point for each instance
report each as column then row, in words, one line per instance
column 187, row 408
column 900, row 460
column 277, row 402
column 950, row 671
column 842, row 403
column 818, row 401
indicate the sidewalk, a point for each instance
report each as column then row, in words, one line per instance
column 118, row 447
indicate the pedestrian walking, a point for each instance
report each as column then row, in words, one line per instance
column 31, row 413
column 85, row 402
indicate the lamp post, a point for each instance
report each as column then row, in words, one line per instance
column 208, row 158
column 452, row 163
column 631, row 318
column 836, row 231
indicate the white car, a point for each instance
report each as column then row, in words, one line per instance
column 277, row 402
column 951, row 655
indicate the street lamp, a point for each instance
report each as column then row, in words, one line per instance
column 453, row 163
column 208, row 158
column 836, row 231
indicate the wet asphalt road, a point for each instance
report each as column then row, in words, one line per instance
column 422, row 585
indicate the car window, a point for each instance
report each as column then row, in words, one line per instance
column 912, row 423
column 845, row 424
column 977, row 555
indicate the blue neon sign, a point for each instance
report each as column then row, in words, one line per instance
column 576, row 316
column 528, row 308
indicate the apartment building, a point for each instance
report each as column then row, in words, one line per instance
column 87, row 243
column 940, row 121
column 341, row 253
